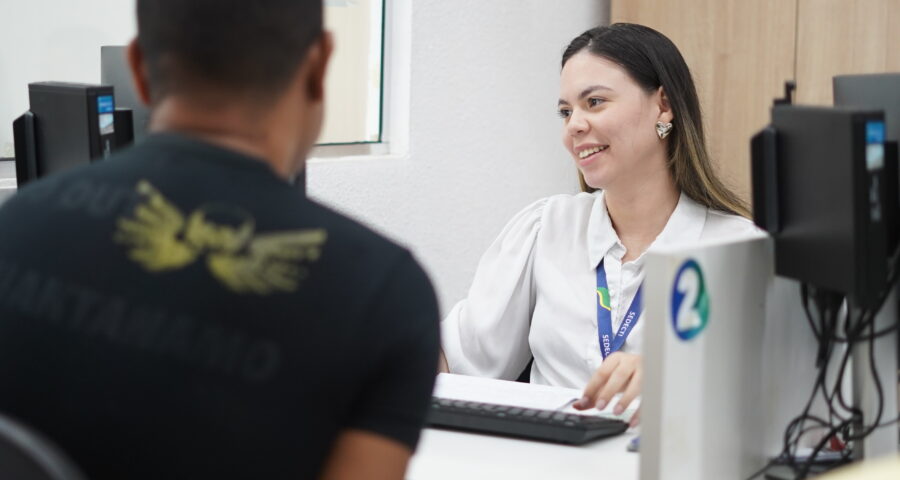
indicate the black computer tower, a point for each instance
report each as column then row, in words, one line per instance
column 74, row 123
column 124, row 122
column 819, row 189
column 26, row 148
column 891, row 199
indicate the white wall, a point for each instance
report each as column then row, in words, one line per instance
column 54, row 40
column 484, row 137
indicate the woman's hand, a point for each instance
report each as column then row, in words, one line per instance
column 619, row 373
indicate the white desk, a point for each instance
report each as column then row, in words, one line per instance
column 452, row 455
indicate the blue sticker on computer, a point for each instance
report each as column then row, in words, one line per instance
column 690, row 301
column 105, row 104
column 874, row 131
column 874, row 145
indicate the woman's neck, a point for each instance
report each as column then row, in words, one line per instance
column 639, row 212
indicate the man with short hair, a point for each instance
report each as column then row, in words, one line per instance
column 181, row 311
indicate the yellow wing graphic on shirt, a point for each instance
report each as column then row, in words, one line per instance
column 161, row 238
column 154, row 233
column 269, row 263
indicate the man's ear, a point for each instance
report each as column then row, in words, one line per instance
column 138, row 71
column 665, row 109
column 317, row 65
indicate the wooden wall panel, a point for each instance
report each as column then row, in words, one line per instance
column 844, row 36
column 740, row 54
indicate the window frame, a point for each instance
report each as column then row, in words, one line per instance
column 396, row 51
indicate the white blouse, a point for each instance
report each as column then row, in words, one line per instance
column 534, row 293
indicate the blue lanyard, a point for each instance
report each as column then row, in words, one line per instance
column 610, row 343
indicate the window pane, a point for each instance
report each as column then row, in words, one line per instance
column 353, row 95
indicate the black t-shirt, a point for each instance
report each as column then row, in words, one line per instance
column 179, row 311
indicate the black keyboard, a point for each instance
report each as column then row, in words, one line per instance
column 545, row 425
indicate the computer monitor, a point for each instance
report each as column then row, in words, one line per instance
column 878, row 91
column 114, row 70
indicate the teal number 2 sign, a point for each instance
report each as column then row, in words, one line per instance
column 690, row 302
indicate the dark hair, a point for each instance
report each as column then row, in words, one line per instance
column 653, row 61
column 251, row 46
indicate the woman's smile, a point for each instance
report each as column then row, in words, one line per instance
column 588, row 153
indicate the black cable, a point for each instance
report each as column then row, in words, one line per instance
column 829, row 321
column 829, row 398
column 788, row 453
column 866, row 320
column 893, row 271
column 828, row 309
column 839, row 384
column 850, row 423
column 874, row 371
column 765, row 468
column 804, row 296
column 888, row 424
column 804, row 470
column 807, row 465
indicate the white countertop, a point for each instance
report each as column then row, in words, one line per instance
column 444, row 454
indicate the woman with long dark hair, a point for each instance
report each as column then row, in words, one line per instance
column 562, row 282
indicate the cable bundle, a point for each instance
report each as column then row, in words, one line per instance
column 844, row 426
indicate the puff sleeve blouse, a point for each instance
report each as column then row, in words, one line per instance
column 534, row 292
